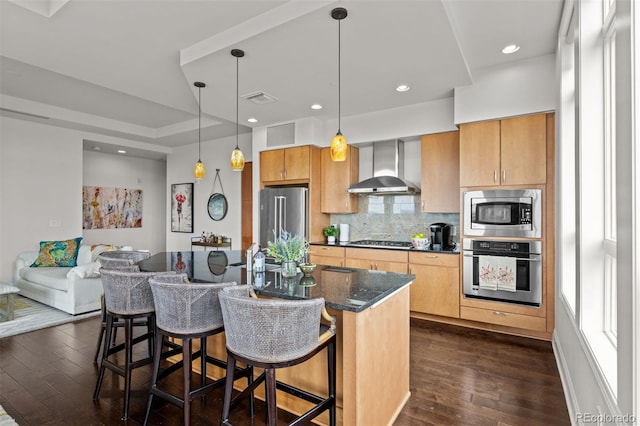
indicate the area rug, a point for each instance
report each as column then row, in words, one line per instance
column 30, row 315
column 5, row 419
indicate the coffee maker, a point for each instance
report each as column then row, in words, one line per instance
column 440, row 236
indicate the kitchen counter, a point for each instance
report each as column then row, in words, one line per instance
column 345, row 289
column 372, row 331
column 454, row 250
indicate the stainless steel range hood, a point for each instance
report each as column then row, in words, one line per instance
column 388, row 171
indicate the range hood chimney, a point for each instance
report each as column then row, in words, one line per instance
column 388, row 171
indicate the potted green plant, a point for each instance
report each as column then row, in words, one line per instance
column 331, row 232
column 288, row 249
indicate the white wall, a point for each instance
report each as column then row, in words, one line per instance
column 412, row 120
column 119, row 171
column 525, row 87
column 41, row 169
column 215, row 154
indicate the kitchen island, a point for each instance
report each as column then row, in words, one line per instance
column 372, row 319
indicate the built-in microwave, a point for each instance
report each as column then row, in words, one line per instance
column 503, row 213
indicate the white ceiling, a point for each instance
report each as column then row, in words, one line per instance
column 126, row 68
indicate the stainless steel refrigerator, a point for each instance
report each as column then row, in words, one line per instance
column 283, row 209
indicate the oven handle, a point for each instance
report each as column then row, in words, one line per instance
column 538, row 258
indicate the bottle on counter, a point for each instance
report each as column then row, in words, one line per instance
column 204, row 237
column 258, row 261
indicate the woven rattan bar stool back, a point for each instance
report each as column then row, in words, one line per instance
column 254, row 331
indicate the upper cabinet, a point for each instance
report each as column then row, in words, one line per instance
column 337, row 176
column 511, row 151
column 285, row 165
column 440, row 188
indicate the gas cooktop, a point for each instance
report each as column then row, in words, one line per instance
column 382, row 243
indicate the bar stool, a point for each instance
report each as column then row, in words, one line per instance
column 187, row 311
column 123, row 260
column 127, row 298
column 103, row 322
column 272, row 334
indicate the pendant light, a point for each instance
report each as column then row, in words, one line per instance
column 339, row 142
column 237, row 157
column 199, row 169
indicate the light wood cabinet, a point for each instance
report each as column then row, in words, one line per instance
column 504, row 318
column 284, row 165
column 327, row 255
column 377, row 259
column 436, row 289
column 337, row 176
column 511, row 151
column 440, row 181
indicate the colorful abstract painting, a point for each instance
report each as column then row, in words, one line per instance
column 109, row 208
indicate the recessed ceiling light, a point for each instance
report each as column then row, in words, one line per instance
column 96, row 148
column 512, row 48
column 122, row 151
column 402, row 88
column 252, row 120
column 316, row 106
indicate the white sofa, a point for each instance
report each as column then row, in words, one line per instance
column 71, row 289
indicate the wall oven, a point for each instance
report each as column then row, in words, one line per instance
column 505, row 271
column 503, row 213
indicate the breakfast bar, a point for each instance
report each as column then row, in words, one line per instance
column 372, row 318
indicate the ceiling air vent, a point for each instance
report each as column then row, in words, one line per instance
column 260, row 98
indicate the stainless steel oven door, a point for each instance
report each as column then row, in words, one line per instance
column 503, row 213
column 527, row 271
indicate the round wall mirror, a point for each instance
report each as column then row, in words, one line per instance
column 217, row 206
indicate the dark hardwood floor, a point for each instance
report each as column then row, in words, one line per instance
column 459, row 376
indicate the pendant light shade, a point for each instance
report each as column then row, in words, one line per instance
column 339, row 142
column 237, row 157
column 199, row 170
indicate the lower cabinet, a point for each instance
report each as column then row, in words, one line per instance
column 326, row 255
column 377, row 260
column 436, row 289
column 501, row 317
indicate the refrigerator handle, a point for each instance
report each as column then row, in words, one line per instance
column 278, row 214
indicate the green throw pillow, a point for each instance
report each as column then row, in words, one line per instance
column 58, row 253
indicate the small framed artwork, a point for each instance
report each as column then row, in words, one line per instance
column 182, row 207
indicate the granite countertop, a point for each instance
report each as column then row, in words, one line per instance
column 346, row 289
column 454, row 250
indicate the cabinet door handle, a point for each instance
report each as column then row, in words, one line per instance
column 504, row 176
column 495, row 176
column 500, row 313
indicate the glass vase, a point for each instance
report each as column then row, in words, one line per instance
column 289, row 269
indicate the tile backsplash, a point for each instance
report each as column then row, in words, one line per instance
column 393, row 217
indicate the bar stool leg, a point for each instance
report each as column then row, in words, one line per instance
column 203, row 361
column 228, row 389
column 272, row 410
column 156, row 371
column 128, row 359
column 186, row 369
column 105, row 352
column 331, row 363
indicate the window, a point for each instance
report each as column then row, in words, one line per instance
column 610, row 276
